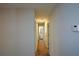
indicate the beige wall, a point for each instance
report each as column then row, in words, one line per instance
column 16, row 31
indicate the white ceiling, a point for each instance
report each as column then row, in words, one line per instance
column 41, row 9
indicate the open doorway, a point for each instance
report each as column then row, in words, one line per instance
column 42, row 46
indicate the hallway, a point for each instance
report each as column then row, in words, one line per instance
column 42, row 50
column 39, row 29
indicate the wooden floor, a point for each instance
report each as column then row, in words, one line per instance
column 42, row 50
